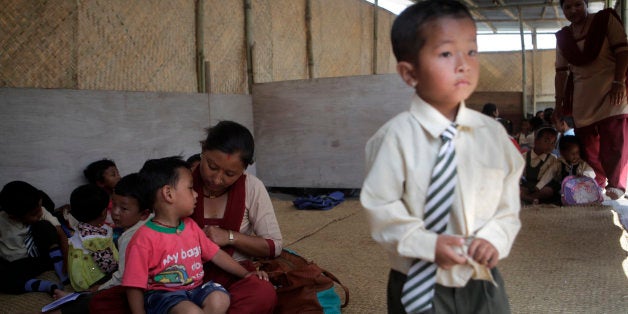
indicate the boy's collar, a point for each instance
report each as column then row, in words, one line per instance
column 435, row 123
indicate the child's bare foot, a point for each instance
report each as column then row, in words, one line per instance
column 58, row 293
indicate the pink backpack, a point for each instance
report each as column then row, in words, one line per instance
column 580, row 190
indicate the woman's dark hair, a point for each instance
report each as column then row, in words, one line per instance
column 19, row 198
column 230, row 137
column 407, row 35
column 87, row 202
column 157, row 173
column 129, row 186
column 95, row 171
column 192, row 159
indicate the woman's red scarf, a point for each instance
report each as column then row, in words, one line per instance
column 232, row 220
column 234, row 212
column 594, row 39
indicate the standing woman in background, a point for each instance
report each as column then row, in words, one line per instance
column 593, row 51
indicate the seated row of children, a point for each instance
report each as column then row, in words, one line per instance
column 544, row 172
column 156, row 264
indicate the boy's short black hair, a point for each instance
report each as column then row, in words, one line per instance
column 156, row 173
column 406, row 34
column 567, row 141
column 489, row 109
column 130, row 186
column 546, row 130
column 19, row 198
column 568, row 120
column 95, row 172
column 87, row 202
column 231, row 137
column 563, row 2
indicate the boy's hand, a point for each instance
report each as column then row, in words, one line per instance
column 447, row 251
column 483, row 252
column 259, row 273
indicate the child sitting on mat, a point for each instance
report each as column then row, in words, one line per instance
column 30, row 241
column 164, row 260
column 92, row 257
column 569, row 163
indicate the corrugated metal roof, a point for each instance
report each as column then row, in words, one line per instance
column 503, row 16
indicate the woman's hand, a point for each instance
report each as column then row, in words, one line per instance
column 617, row 93
column 217, row 235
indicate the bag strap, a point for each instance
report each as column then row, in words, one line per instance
column 332, row 277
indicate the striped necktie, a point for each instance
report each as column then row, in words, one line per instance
column 418, row 290
column 29, row 242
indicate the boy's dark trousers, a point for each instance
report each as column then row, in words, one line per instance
column 478, row 296
column 16, row 273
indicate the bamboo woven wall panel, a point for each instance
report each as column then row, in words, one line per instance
column 386, row 62
column 137, row 45
column 279, row 52
column 545, row 65
column 342, row 36
column 37, row 43
column 500, row 71
column 224, row 46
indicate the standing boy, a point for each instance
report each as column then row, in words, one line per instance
column 445, row 222
column 164, row 260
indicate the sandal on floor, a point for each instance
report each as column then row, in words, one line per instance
column 614, row 193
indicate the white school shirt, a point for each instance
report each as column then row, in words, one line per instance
column 13, row 234
column 123, row 242
column 556, row 167
column 399, row 161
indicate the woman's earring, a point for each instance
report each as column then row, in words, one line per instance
column 413, row 84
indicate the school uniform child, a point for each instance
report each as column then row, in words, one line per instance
column 30, row 241
column 450, row 241
column 164, row 260
column 92, row 256
column 569, row 163
column 538, row 160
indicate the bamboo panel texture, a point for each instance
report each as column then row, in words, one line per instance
column 224, row 45
column 136, row 45
column 342, row 36
column 37, row 43
column 279, row 32
column 386, row 62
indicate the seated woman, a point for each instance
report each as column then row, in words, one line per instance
column 235, row 211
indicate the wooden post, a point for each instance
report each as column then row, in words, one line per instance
column 308, row 39
column 200, row 56
column 248, row 34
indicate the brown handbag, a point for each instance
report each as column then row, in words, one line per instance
column 301, row 285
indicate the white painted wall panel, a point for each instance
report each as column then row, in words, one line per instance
column 49, row 136
column 311, row 133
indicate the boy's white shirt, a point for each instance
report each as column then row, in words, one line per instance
column 399, row 161
column 555, row 168
column 123, row 241
column 13, row 233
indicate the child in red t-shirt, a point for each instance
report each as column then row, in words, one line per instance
column 164, row 260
